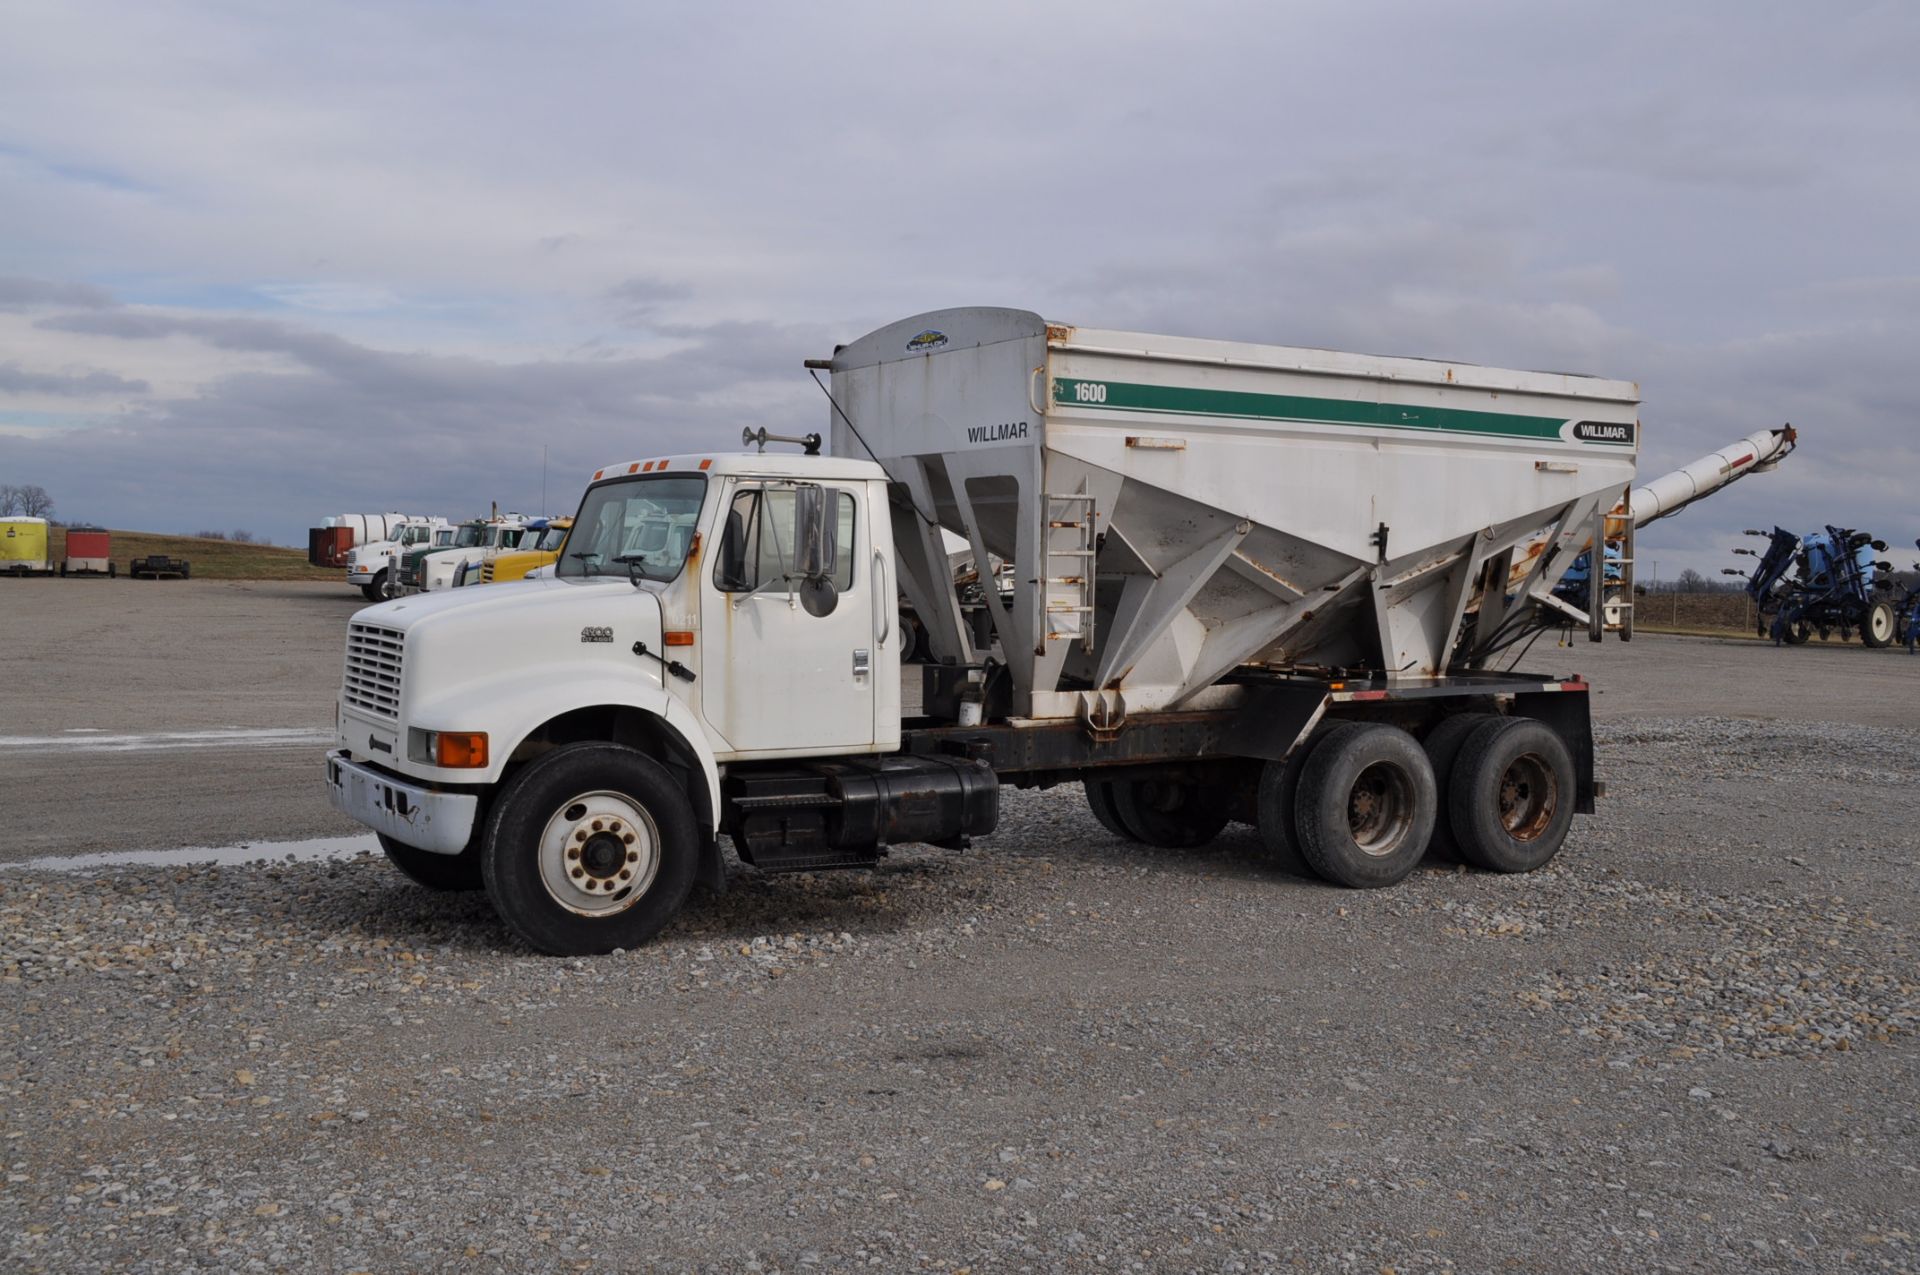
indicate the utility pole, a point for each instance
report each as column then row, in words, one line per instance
column 543, row 480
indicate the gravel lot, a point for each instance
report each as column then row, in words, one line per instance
column 1688, row 1045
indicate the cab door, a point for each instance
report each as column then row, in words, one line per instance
column 776, row 678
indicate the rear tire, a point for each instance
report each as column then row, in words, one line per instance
column 1877, row 629
column 1100, row 801
column 1365, row 808
column 436, row 871
column 1168, row 813
column 1511, row 796
column 591, row 847
column 1796, row 633
column 1274, row 797
column 186, row 571
column 1443, row 744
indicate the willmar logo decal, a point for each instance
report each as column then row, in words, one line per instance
column 925, row 341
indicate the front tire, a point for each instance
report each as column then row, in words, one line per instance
column 375, row 590
column 591, row 847
column 1365, row 808
column 450, row 872
column 1877, row 629
column 1511, row 795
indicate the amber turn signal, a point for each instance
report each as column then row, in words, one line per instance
column 461, row 750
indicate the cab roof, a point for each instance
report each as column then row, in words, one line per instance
column 755, row 464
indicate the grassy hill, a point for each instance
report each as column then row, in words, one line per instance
column 210, row 559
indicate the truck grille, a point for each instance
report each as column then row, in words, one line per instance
column 373, row 668
column 486, row 572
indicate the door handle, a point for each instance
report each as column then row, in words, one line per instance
column 883, row 596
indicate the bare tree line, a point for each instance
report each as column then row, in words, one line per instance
column 27, row 499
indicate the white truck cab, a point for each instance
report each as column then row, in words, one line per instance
column 373, row 568
column 683, row 619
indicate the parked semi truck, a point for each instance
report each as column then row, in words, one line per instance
column 373, row 567
column 539, row 548
column 1250, row 583
column 473, row 545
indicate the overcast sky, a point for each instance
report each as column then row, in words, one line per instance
column 260, row 263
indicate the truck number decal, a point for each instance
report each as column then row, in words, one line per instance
column 1089, row 392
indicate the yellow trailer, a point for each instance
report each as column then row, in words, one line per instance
column 23, row 546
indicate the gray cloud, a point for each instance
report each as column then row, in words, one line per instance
column 35, row 294
column 14, row 380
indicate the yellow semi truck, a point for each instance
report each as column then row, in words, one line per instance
column 544, row 552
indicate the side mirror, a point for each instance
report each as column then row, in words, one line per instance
column 814, row 532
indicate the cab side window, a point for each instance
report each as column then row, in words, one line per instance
column 755, row 541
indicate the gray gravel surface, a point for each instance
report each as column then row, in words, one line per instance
column 1688, row 1045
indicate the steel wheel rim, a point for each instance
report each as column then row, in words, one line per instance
column 1380, row 809
column 1881, row 620
column 599, row 853
column 1529, row 796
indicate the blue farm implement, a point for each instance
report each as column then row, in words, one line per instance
column 1825, row 581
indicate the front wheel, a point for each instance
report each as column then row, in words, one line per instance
column 591, row 847
column 435, row 871
column 375, row 590
column 1877, row 629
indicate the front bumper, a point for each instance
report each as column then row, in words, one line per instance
column 439, row 822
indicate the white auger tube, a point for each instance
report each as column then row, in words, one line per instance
column 1670, row 493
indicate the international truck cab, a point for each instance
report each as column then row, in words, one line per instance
column 1248, row 583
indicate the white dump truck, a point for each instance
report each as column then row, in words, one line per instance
column 1250, row 583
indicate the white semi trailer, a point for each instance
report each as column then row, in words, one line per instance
column 1251, row 583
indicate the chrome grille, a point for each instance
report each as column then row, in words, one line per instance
column 373, row 668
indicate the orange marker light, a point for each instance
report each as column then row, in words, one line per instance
column 462, row 750
column 633, row 468
column 597, row 473
column 678, row 637
column 707, row 463
column 647, row 468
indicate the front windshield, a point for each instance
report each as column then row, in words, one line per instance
column 642, row 524
column 551, row 539
column 443, row 538
column 471, row 535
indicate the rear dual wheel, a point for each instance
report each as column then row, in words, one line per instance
column 1362, row 803
column 1511, row 796
column 1365, row 805
column 1170, row 813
